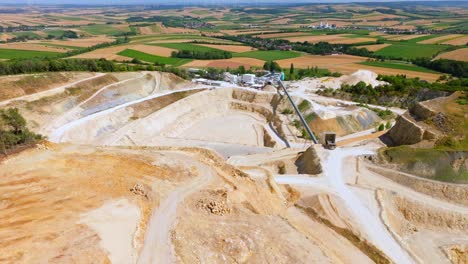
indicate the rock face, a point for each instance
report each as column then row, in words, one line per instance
column 309, row 162
column 406, row 132
column 412, row 127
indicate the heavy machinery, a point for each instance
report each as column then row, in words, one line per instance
column 330, row 140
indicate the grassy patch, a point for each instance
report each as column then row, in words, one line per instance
column 24, row 54
column 153, row 58
column 268, row 54
column 415, row 160
column 396, row 65
column 28, row 34
column 304, row 106
column 103, row 30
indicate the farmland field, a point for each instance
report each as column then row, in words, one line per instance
column 459, row 55
column 410, row 50
column 186, row 46
column 21, row 54
column 396, row 65
column 268, row 55
column 152, row 58
column 104, row 29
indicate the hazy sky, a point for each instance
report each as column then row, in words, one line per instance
column 188, row 2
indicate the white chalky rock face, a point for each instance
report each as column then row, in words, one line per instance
column 366, row 76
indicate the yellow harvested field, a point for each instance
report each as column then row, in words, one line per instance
column 155, row 50
column 231, row 63
column 440, row 39
column 380, row 23
column 31, row 46
column 83, row 42
column 231, row 48
column 243, row 31
column 403, row 37
column 375, row 47
column 5, row 36
column 320, row 61
column 459, row 55
column 348, row 64
column 105, row 53
column 334, row 39
column 457, row 41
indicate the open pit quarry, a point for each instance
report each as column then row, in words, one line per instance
column 146, row 167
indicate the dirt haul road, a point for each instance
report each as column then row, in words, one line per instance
column 157, row 247
column 333, row 182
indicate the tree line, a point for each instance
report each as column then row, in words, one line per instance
column 36, row 65
column 202, row 55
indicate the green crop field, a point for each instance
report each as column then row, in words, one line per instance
column 186, row 46
column 103, row 30
column 268, row 55
column 29, row 34
column 396, row 65
column 153, row 58
column 422, row 38
column 410, row 50
column 54, row 32
column 24, row 54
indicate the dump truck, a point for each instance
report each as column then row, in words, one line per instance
column 330, row 140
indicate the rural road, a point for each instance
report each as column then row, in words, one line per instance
column 157, row 247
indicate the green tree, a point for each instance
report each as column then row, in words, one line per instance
column 381, row 127
column 388, row 125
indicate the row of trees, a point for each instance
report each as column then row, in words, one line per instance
column 13, row 130
column 36, row 65
column 202, row 55
column 455, row 68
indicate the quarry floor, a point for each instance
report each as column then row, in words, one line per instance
column 151, row 169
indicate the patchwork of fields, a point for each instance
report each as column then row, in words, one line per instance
column 152, row 39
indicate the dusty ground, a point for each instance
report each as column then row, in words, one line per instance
column 145, row 193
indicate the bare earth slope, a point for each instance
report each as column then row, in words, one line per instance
column 145, row 167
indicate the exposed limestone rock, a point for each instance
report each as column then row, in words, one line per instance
column 309, row 162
